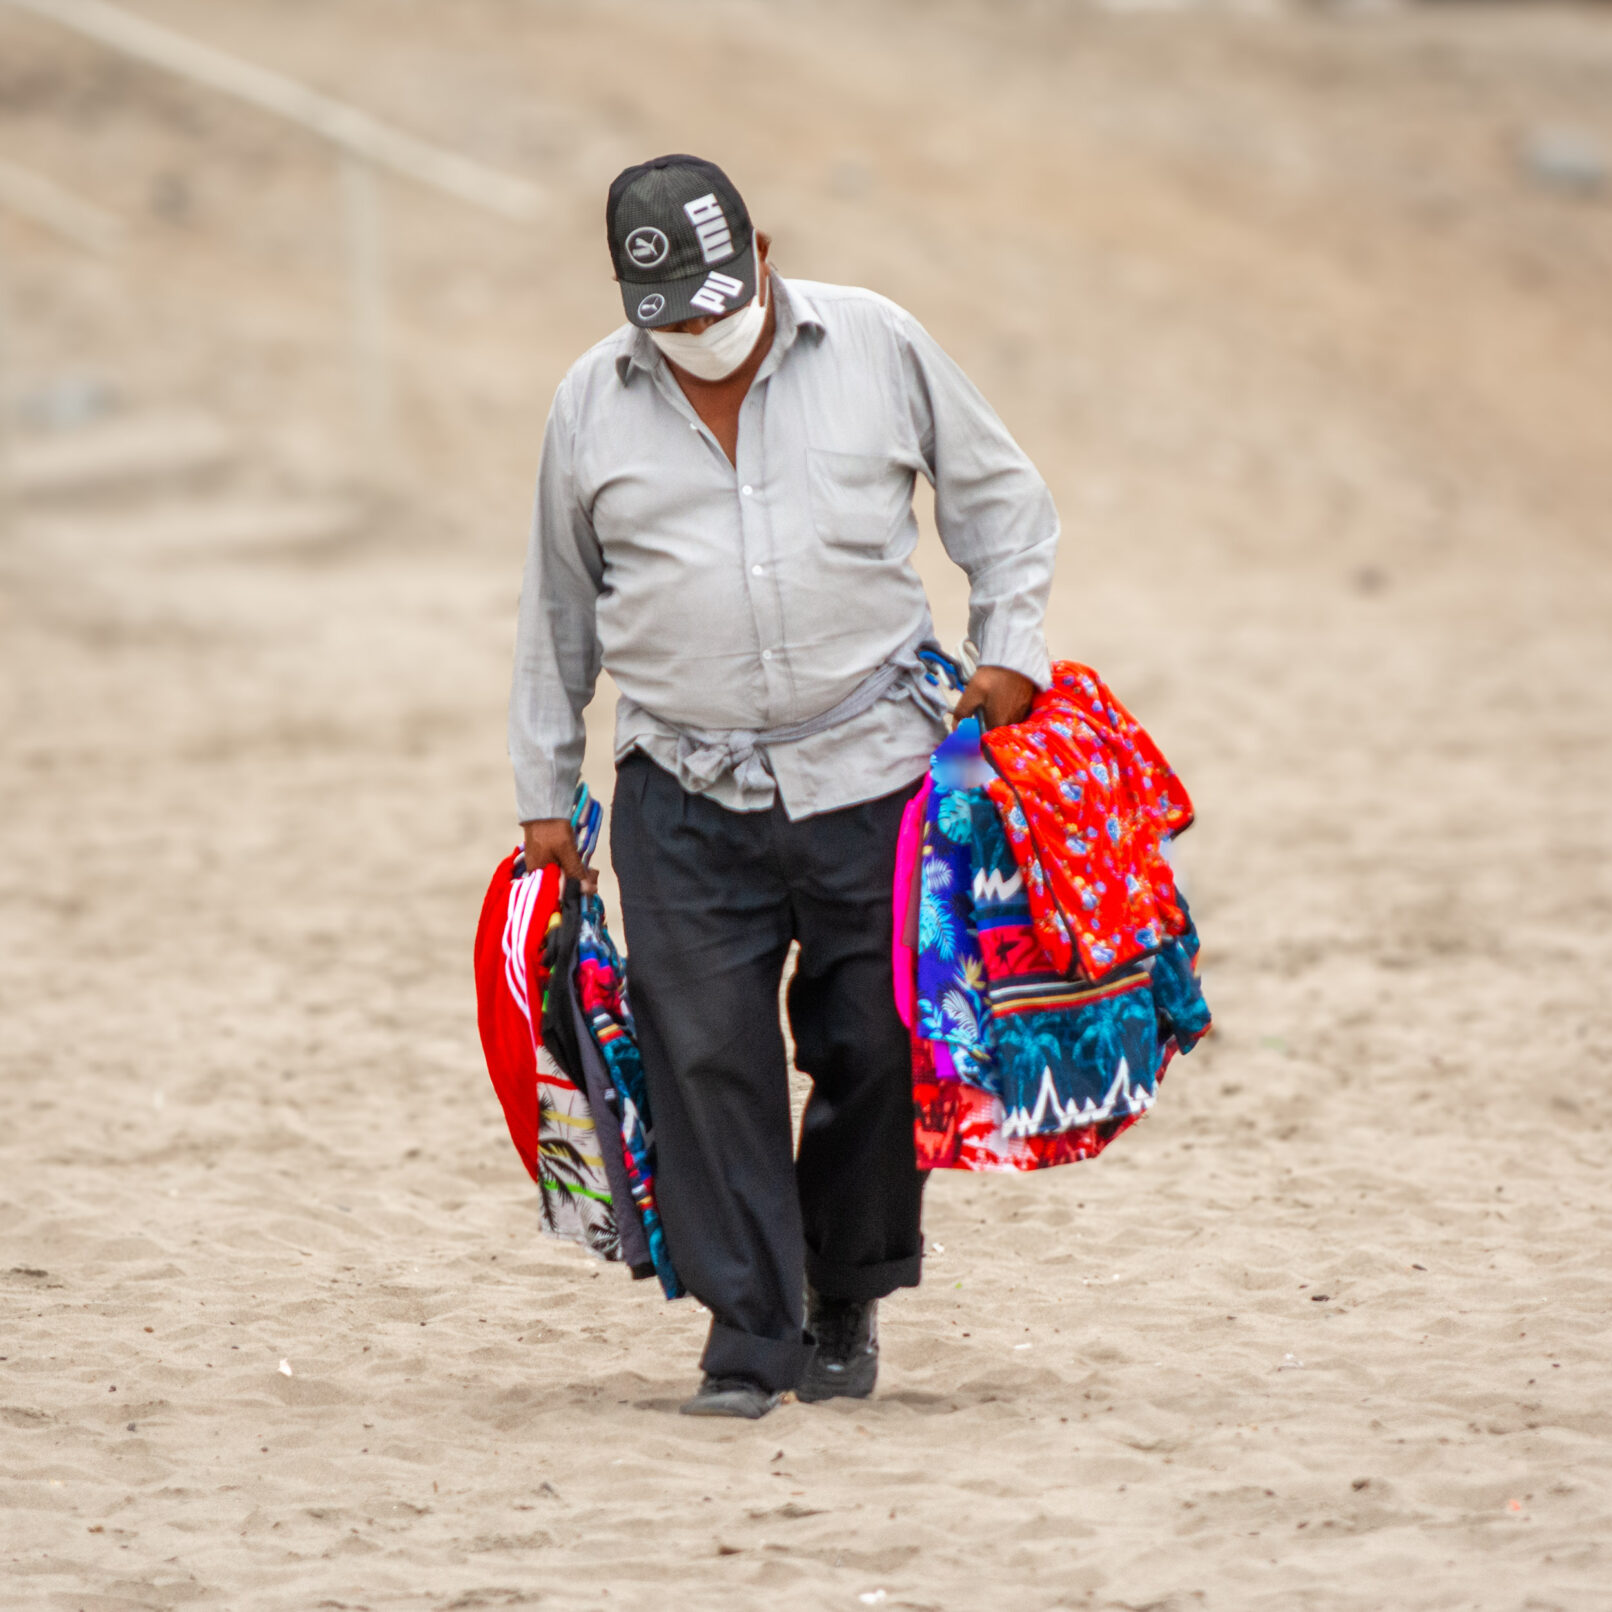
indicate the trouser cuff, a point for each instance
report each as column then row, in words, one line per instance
column 773, row 1362
column 861, row 1282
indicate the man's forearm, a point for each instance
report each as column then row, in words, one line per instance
column 1007, row 609
column 546, row 732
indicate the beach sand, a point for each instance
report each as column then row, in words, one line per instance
column 1320, row 372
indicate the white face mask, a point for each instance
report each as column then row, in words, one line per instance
column 720, row 348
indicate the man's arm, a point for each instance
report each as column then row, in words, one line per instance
column 996, row 520
column 556, row 651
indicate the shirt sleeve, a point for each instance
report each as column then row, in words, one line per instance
column 556, row 638
column 994, row 512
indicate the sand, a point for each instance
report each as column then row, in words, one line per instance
column 1321, row 376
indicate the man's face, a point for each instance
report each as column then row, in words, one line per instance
column 695, row 327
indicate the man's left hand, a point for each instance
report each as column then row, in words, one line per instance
column 997, row 696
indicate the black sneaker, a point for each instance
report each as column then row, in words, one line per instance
column 731, row 1396
column 846, row 1364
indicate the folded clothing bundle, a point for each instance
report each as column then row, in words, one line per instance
column 557, row 1032
column 1045, row 959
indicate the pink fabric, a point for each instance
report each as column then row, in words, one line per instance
column 904, row 906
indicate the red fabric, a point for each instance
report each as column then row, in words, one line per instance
column 1087, row 800
column 509, row 939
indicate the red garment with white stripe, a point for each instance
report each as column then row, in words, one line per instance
column 509, row 994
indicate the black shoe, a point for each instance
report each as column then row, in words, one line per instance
column 846, row 1364
column 730, row 1396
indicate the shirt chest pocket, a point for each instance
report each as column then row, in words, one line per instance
column 857, row 499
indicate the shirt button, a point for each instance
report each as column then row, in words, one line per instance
column 756, row 570
column 766, row 654
column 747, row 491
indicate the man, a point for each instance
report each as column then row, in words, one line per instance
column 724, row 522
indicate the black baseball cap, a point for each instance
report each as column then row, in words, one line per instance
column 681, row 241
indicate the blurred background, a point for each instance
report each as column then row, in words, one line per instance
column 1304, row 310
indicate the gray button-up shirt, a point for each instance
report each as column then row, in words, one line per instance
column 760, row 594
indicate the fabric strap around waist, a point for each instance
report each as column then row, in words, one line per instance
column 707, row 755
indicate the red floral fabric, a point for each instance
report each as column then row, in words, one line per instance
column 1087, row 801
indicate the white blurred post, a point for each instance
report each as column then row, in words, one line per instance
column 366, row 278
column 334, row 120
column 8, row 403
column 367, row 144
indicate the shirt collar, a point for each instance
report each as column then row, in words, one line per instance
column 796, row 316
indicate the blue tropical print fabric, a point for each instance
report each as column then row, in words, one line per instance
column 1183, row 1012
column 602, row 987
column 952, row 1008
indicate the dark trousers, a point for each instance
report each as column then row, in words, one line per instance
column 711, row 899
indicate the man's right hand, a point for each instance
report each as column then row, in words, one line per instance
column 549, row 839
